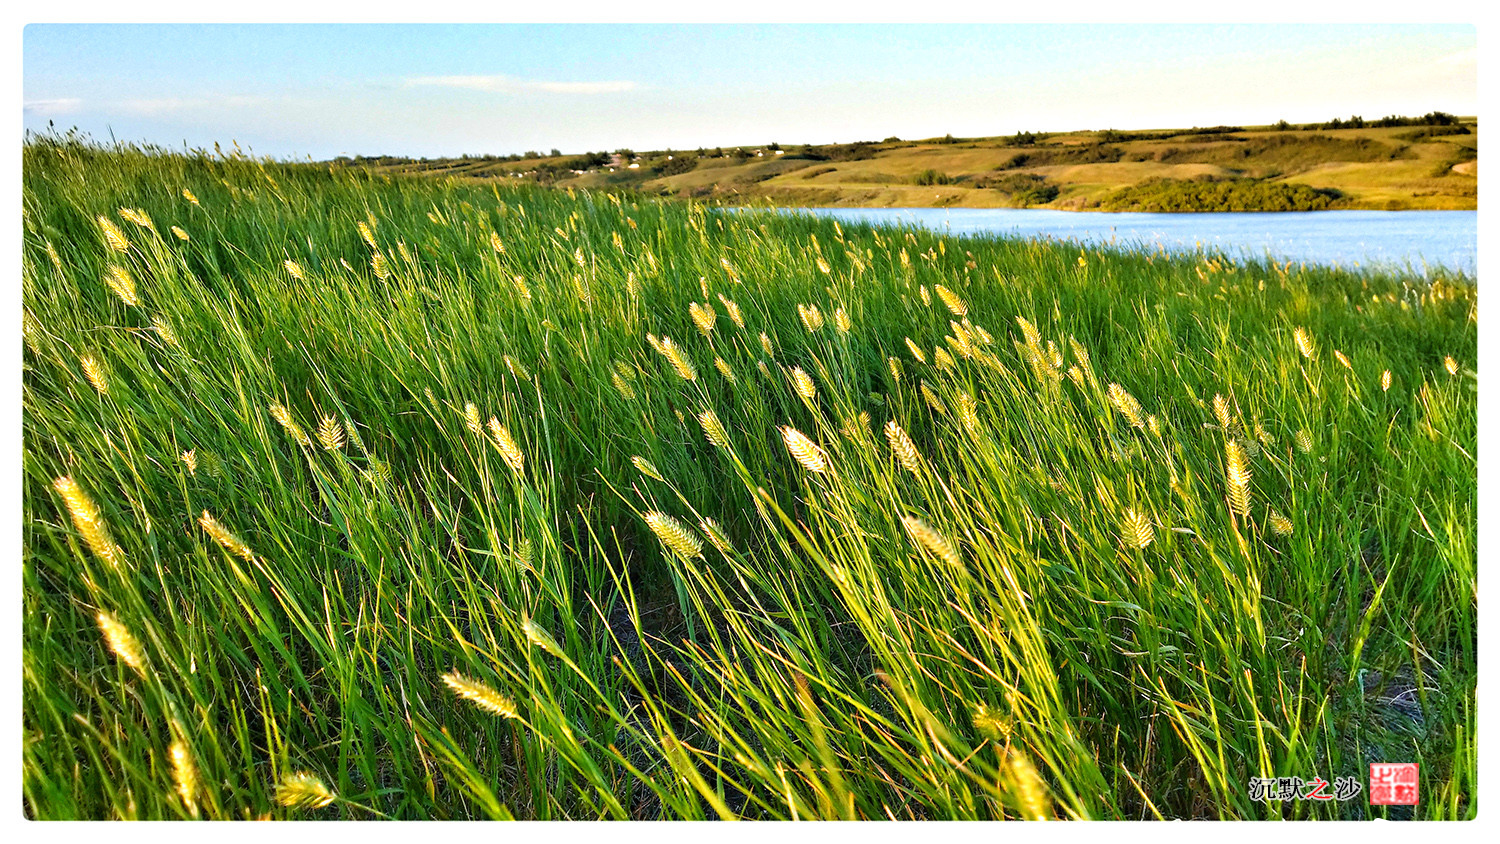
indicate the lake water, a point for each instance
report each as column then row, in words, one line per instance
column 1415, row 241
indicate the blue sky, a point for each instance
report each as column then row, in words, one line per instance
column 430, row 90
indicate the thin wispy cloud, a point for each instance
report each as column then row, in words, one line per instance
column 501, row 84
column 50, row 108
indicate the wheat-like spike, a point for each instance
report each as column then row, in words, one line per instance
column 942, row 360
column 1304, row 441
column 1036, row 805
column 1343, row 361
column 509, row 451
column 481, row 695
column 626, row 391
column 541, row 638
column 1451, row 365
column 381, row 266
column 1136, row 530
column 113, row 237
column 95, row 372
column 284, row 418
column 674, row 535
column 294, row 270
column 916, row 351
column 955, row 304
column 929, row 538
column 904, row 449
column 724, row 369
column 523, row 551
column 704, row 316
column 180, row 234
column 89, row 522
column 804, row 384
column 713, row 429
column 804, row 450
column 122, row 642
column 926, row 297
column 716, row 536
column 1126, row 404
column 367, row 234
column 1238, row 477
column 122, row 283
column 733, row 310
column 1221, row 411
column 1385, row 381
column 302, row 790
column 812, row 318
column 765, row 345
column 647, row 468
column 225, row 537
column 189, row 196
column 932, row 399
column 184, row 771
column 967, row 412
column 1280, row 525
column 164, row 330
column 190, row 459
column 472, row 420
column 139, row 217
column 679, row 361
column 331, row 433
column 841, row 320
column 1155, row 425
column 1304, row 342
column 1033, row 337
column 895, row 367
column 1076, row 376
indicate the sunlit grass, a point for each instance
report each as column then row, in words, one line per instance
column 421, row 499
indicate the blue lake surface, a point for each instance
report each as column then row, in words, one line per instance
column 1420, row 242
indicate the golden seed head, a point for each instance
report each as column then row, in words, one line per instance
column 647, row 468
column 1237, row 476
column 1033, row 337
column 481, row 695
column 674, row 535
column 381, row 266
column 284, row 418
column 841, row 320
column 765, row 345
column 968, row 412
column 1280, row 525
column 122, row 642
column 472, row 420
column 113, row 237
column 929, row 538
column 302, row 790
column 1343, row 360
column 226, row 538
column 1127, row 406
column 506, row 444
column 184, row 773
column 139, row 217
column 190, row 459
column 188, row 195
column 1076, row 376
column 331, row 433
column 716, row 536
column 926, row 297
column 823, row 266
column 626, row 391
column 1451, row 365
column 713, row 429
column 89, row 522
column 812, row 318
column 733, row 310
column 804, row 384
column 1385, row 380
column 164, row 330
column 955, row 304
column 932, row 399
column 764, row 370
column 1034, row 799
column 724, row 369
column 1221, row 411
column 942, row 360
column 903, row 447
column 541, row 638
column 495, row 242
column 1304, row 342
column 804, row 450
column 679, row 361
column 916, row 351
column 704, row 316
column 294, row 270
column 122, row 283
column 895, row 366
column 1136, row 530
column 96, row 373
column 366, row 233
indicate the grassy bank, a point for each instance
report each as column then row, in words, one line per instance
column 349, row 496
column 1286, row 168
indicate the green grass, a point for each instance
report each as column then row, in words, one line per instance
column 958, row 631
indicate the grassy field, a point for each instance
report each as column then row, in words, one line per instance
column 350, row 496
column 1384, row 168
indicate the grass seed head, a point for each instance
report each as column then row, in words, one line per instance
column 1136, row 530
column 288, row 424
column 302, row 790
column 506, row 444
column 122, row 283
column 1237, row 477
column 89, row 522
column 1385, row 381
column 804, row 450
column 647, row 468
column 674, row 535
column 1127, row 406
column 951, row 300
column 541, row 638
column 225, row 537
column 916, row 351
column 122, row 642
column 1304, row 342
column 804, row 384
column 331, row 433
column 1280, row 525
column 295, row 270
column 1451, row 365
column 113, row 237
column 713, row 429
column 95, row 372
column 929, row 538
column 704, row 316
column 903, row 447
column 675, row 356
column 184, row 773
column 716, row 536
column 481, row 695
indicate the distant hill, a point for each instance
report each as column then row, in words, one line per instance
column 1430, row 163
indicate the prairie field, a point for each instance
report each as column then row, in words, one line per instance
column 360, row 496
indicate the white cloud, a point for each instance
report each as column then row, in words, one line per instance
column 155, row 107
column 48, row 108
column 501, row 84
